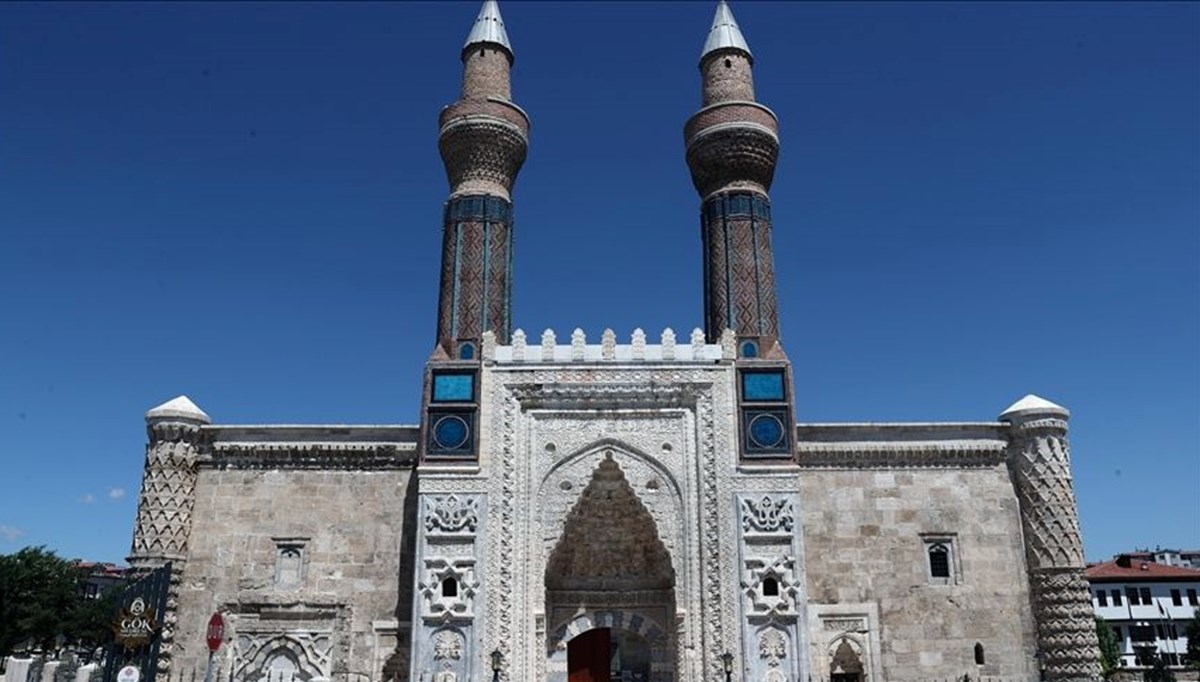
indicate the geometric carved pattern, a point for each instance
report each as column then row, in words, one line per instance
column 164, row 516
column 1066, row 628
column 771, row 587
column 1061, row 596
column 295, row 656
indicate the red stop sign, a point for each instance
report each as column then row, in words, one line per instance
column 216, row 631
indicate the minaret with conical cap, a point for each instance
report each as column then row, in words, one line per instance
column 483, row 141
column 732, row 146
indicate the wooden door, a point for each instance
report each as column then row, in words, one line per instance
column 588, row 656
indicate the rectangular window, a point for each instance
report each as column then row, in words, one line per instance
column 453, row 387
column 1101, row 597
column 1176, row 598
column 1192, row 598
column 1147, row 600
column 762, row 386
column 939, row 560
column 1132, row 594
column 1116, row 595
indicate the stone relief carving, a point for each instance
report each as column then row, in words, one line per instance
column 533, row 405
column 845, row 625
column 448, row 587
column 291, row 656
column 447, row 646
column 452, row 514
column 768, row 515
column 771, row 586
column 772, row 647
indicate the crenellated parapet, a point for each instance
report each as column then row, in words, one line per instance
column 576, row 349
column 1040, row 463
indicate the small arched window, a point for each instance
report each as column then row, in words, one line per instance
column 770, row 587
column 749, row 349
column 728, row 63
column 449, row 587
column 466, row 351
column 978, row 653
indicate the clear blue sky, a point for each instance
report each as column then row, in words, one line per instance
column 241, row 202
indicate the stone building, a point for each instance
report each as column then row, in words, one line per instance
column 568, row 509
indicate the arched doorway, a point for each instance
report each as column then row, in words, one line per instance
column 608, row 655
column 609, row 584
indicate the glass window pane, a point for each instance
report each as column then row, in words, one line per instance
column 453, row 387
column 762, row 386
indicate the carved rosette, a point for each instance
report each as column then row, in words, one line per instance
column 1039, row 458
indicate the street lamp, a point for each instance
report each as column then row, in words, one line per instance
column 497, row 661
column 727, row 665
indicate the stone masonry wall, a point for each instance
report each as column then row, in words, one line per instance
column 865, row 533
column 348, row 526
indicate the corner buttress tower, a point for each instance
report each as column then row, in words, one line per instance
column 483, row 141
column 732, row 145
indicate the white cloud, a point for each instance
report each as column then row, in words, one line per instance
column 10, row 534
column 88, row 498
column 116, row 493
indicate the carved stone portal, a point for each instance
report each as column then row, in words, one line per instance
column 611, row 565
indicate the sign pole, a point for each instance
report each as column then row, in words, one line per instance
column 208, row 671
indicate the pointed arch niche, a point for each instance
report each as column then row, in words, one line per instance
column 610, row 569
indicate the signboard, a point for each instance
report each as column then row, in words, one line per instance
column 129, row 673
column 135, row 625
column 216, row 631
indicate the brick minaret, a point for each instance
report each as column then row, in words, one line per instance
column 732, row 146
column 483, row 140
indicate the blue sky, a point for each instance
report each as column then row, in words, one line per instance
column 241, row 202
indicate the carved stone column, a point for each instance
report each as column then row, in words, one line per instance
column 1039, row 460
column 164, row 516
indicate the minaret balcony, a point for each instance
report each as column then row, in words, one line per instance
column 733, row 112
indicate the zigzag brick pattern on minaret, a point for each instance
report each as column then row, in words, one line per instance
column 1041, row 466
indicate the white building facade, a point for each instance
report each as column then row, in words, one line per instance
column 1147, row 604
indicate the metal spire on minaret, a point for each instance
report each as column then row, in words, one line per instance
column 724, row 33
column 489, row 27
